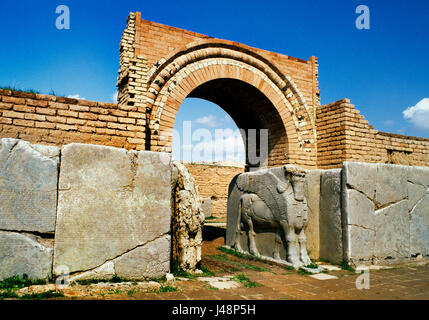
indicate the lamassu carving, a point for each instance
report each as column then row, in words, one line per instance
column 273, row 201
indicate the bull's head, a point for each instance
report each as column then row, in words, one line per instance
column 297, row 178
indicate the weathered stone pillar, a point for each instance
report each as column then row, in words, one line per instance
column 187, row 219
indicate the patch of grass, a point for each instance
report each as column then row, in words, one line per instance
column 43, row 295
column 241, row 277
column 235, row 253
column 167, row 288
column 160, row 280
column 226, row 259
column 210, row 218
column 29, row 90
column 303, row 272
column 115, row 291
column 117, row 279
column 289, row 268
column 345, row 266
column 312, row 265
column 253, row 267
column 17, row 282
column 240, row 255
column 8, row 294
column 164, row 288
column 206, row 271
column 85, row 282
column 114, row 279
column 131, row 292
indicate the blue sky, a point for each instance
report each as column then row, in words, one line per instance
column 383, row 70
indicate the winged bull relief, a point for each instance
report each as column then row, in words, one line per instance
column 271, row 199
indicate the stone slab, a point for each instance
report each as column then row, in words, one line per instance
column 419, row 175
column 151, row 260
column 390, row 184
column 110, row 201
column 28, row 186
column 392, row 237
column 394, row 224
column 419, row 229
column 206, row 206
column 360, row 176
column 312, row 194
column 323, row 276
column 330, row 220
column 21, row 255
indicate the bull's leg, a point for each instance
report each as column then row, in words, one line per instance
column 278, row 243
column 247, row 218
column 237, row 244
column 303, row 248
column 292, row 249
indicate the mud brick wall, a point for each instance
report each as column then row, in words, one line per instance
column 213, row 181
column 344, row 135
column 52, row 120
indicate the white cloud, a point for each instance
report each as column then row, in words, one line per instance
column 75, row 96
column 115, row 97
column 209, row 121
column 418, row 115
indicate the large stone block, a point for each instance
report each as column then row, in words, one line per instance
column 312, row 194
column 418, row 175
column 419, row 229
column 151, row 260
column 111, row 201
column 28, row 186
column 360, row 176
column 392, row 237
column 358, row 226
column 391, row 184
column 330, row 221
column 418, row 206
column 21, row 254
column 391, row 225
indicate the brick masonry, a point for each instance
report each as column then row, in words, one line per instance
column 213, row 181
column 345, row 135
column 57, row 121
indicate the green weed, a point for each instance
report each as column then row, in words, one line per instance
column 241, row 277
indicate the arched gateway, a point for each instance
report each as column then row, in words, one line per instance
column 161, row 66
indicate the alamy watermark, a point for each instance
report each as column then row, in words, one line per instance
column 363, row 20
column 222, row 145
column 62, row 281
column 63, row 20
column 363, row 281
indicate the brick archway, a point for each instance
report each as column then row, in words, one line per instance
column 162, row 65
column 200, row 67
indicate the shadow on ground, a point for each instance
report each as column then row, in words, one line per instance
column 211, row 233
